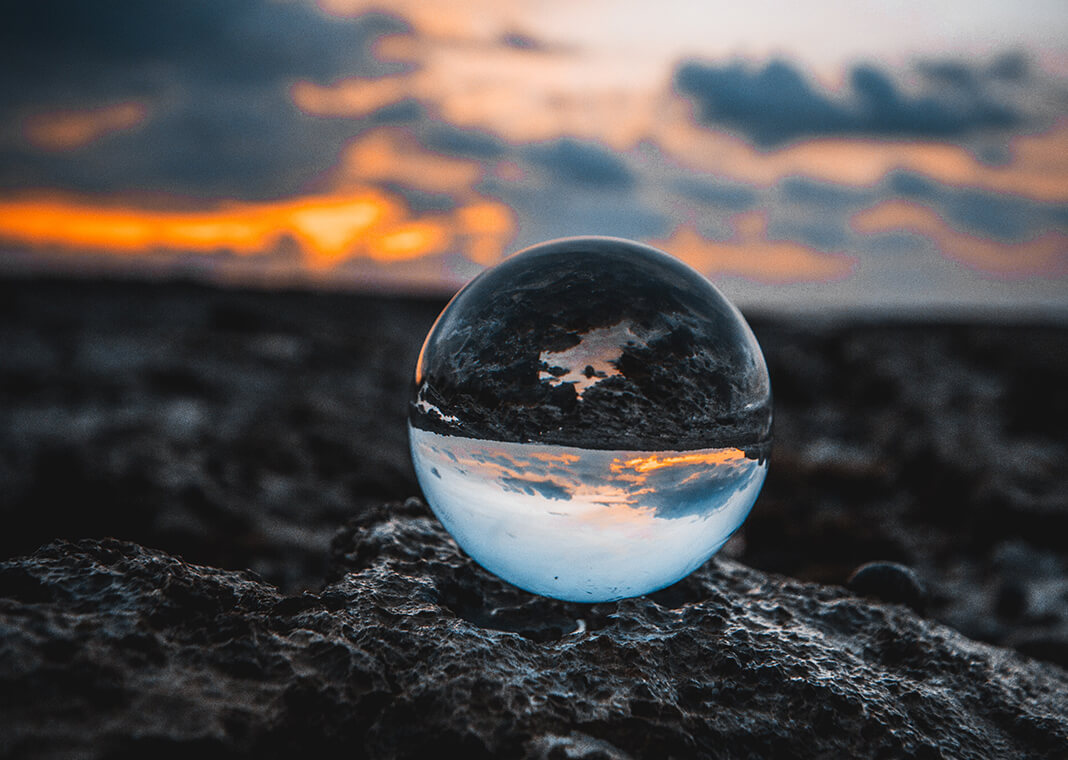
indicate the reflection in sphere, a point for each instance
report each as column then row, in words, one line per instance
column 590, row 419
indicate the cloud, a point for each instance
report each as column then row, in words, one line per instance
column 820, row 193
column 998, row 216
column 581, row 163
column 552, row 210
column 62, row 44
column 1039, row 255
column 395, row 155
column 698, row 491
column 213, row 77
column 733, row 196
column 65, row 130
column 775, row 104
column 257, row 133
column 752, row 255
column 354, row 97
column 469, row 143
column 546, row 488
column 479, row 65
column 1009, row 67
column 1037, row 164
column 520, row 41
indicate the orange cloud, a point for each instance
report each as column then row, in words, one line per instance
column 349, row 97
column 750, row 254
column 69, row 130
column 1044, row 255
column 1038, row 167
column 451, row 19
column 488, row 227
column 466, row 76
column 652, row 462
column 328, row 228
column 394, row 155
column 596, row 88
column 520, row 95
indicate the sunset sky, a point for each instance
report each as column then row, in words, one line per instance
column 831, row 154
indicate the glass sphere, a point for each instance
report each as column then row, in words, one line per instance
column 590, row 419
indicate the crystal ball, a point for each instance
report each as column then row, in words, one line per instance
column 590, row 419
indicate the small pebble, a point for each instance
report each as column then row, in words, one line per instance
column 1011, row 600
column 889, row 582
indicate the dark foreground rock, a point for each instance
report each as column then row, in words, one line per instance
column 109, row 649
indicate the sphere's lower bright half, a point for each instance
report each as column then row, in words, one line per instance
column 581, row 524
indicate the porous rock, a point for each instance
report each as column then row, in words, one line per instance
column 110, row 649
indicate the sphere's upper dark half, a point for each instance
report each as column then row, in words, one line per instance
column 598, row 343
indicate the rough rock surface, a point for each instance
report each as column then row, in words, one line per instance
column 108, row 649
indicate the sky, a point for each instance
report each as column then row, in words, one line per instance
column 837, row 154
column 582, row 523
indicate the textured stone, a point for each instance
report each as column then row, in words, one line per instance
column 109, row 649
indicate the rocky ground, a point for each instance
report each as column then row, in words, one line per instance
column 250, row 430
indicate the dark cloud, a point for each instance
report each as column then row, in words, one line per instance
column 776, row 104
column 985, row 214
column 812, row 192
column 470, row 143
column 1001, row 217
column 420, row 201
column 950, row 73
column 825, row 234
column 1013, row 67
column 546, row 488
column 911, row 185
column 960, row 75
column 215, row 77
column 67, row 45
column 1007, row 218
column 406, row 111
column 520, row 41
column 585, row 191
column 573, row 210
column 729, row 195
column 692, row 491
column 993, row 154
column 581, row 163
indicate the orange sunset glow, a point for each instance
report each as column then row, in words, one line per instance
column 327, row 228
column 659, row 461
column 412, row 146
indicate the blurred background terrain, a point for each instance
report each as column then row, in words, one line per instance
column 226, row 227
column 241, row 428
